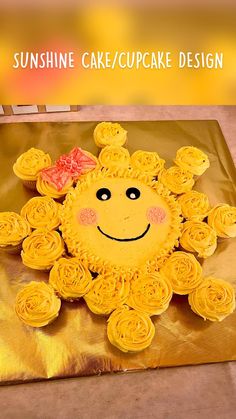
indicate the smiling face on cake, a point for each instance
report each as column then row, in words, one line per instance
column 118, row 221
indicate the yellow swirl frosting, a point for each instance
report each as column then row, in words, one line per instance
column 29, row 164
column 147, row 162
column 194, row 205
column 109, row 133
column 45, row 189
column 114, row 157
column 183, row 271
column 37, row 305
column 41, row 249
column 176, row 179
column 13, row 229
column 150, row 294
column 130, row 330
column 222, row 218
column 213, row 300
column 192, row 159
column 42, row 212
column 198, row 237
column 107, row 293
column 70, row 278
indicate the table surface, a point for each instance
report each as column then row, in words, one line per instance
column 181, row 392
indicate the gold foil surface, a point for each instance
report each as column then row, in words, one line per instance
column 76, row 343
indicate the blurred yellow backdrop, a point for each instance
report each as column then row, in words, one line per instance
column 125, row 28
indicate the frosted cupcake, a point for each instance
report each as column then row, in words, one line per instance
column 198, row 237
column 29, row 164
column 194, row 205
column 114, row 157
column 13, row 230
column 41, row 249
column 183, row 271
column 176, row 179
column 107, row 293
column 109, row 133
column 213, row 300
column 42, row 212
column 37, row 305
column 147, row 161
column 70, row 278
column 222, row 218
column 45, row 188
column 130, row 330
column 192, row 159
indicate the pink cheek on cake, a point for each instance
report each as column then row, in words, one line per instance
column 87, row 217
column 156, row 215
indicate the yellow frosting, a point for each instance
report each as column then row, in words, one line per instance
column 114, row 156
column 176, row 179
column 192, row 159
column 42, row 212
column 198, row 237
column 13, row 229
column 41, row 249
column 45, row 188
column 109, row 133
column 119, row 233
column 222, row 218
column 183, row 271
column 147, row 162
column 29, row 164
column 130, row 330
column 214, row 299
column 150, row 294
column 37, row 305
column 194, row 205
column 70, row 278
column 107, row 293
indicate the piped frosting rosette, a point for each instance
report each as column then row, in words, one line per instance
column 150, row 294
column 194, row 205
column 176, row 179
column 29, row 164
column 130, row 330
column 183, row 271
column 109, row 133
column 37, row 305
column 214, row 299
column 13, row 230
column 147, row 161
column 41, row 249
column 47, row 189
column 70, row 278
column 114, row 157
column 107, row 293
column 222, row 218
column 192, row 159
column 198, row 237
column 42, row 212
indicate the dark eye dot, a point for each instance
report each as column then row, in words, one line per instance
column 133, row 193
column 103, row 194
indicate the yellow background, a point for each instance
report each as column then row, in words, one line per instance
column 187, row 28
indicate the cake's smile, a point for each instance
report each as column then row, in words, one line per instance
column 127, row 239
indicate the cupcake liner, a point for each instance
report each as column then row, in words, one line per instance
column 30, row 184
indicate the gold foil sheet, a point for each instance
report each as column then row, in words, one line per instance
column 76, row 343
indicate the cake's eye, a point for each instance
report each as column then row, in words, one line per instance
column 103, row 194
column 133, row 193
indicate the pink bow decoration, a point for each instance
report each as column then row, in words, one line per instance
column 67, row 167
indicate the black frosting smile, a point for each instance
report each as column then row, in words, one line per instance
column 124, row 240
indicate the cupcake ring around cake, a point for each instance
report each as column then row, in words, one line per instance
column 124, row 221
